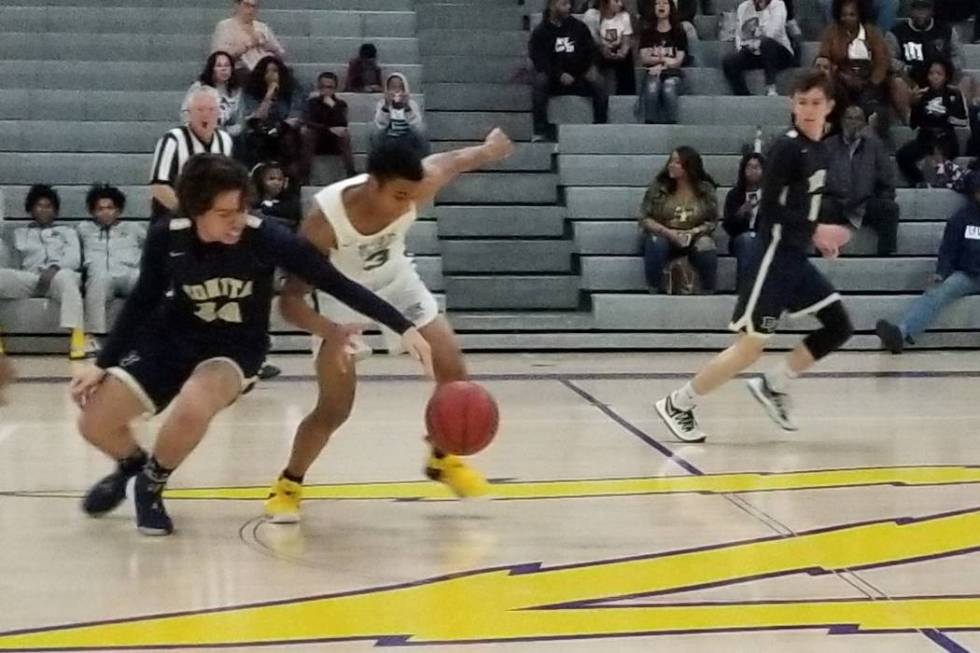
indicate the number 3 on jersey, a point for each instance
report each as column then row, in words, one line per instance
column 375, row 260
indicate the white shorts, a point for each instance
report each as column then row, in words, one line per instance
column 406, row 293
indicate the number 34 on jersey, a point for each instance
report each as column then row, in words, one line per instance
column 226, row 288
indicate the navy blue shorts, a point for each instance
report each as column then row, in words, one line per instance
column 157, row 366
column 782, row 281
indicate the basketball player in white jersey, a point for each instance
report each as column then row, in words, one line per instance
column 361, row 224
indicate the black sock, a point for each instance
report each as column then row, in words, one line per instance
column 157, row 472
column 134, row 462
column 289, row 477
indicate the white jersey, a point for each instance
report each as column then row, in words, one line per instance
column 375, row 260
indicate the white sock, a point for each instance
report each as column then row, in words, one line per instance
column 779, row 376
column 685, row 398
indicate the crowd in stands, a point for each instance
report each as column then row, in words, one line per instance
column 888, row 71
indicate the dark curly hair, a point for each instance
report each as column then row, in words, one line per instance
column 693, row 165
column 39, row 192
column 204, row 177
column 207, row 75
column 104, row 192
column 863, row 9
column 255, row 86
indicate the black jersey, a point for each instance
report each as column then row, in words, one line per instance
column 792, row 190
column 918, row 48
column 214, row 293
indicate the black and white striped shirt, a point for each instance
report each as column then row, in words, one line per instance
column 173, row 151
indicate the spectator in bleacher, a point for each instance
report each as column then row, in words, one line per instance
column 612, row 28
column 678, row 216
column 363, row 71
column 686, row 11
column 761, row 41
column 663, row 45
column 247, row 40
column 741, row 210
column 826, row 67
column 200, row 134
column 958, row 11
column 859, row 52
column 937, row 110
column 957, row 275
column 564, row 54
column 913, row 45
column 861, row 179
column 218, row 73
column 50, row 265
column 111, row 250
column 398, row 116
column 270, row 182
column 325, row 126
column 273, row 106
column 884, row 13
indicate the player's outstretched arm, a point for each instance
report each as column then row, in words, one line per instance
column 442, row 168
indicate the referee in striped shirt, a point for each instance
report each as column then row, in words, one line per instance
column 200, row 134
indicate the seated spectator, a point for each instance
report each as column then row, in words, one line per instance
column 936, row 112
column 112, row 250
column 563, row 54
column 273, row 110
column 50, row 265
column 218, row 74
column 398, row 116
column 957, row 275
column 958, row 11
column 325, row 128
column 662, row 48
column 200, row 134
column 741, row 210
column 859, row 52
column 761, row 41
column 363, row 71
column 678, row 216
column 612, row 28
column 913, row 45
column 270, row 182
column 883, row 12
column 246, row 39
column 825, row 66
column 861, row 178
column 686, row 11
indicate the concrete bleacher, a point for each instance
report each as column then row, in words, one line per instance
column 541, row 251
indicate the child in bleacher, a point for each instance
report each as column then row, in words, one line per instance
column 612, row 29
column 271, row 200
column 363, row 71
column 936, row 111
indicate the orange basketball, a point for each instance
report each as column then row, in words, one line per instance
column 462, row 418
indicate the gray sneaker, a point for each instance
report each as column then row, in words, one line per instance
column 778, row 405
column 681, row 423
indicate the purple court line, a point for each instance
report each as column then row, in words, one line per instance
column 593, row 376
column 626, row 424
column 934, row 635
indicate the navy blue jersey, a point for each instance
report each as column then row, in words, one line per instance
column 215, row 293
column 793, row 189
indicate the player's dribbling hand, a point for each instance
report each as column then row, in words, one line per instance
column 84, row 384
column 419, row 349
column 498, row 145
column 830, row 238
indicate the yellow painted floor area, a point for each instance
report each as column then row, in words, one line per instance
column 861, row 532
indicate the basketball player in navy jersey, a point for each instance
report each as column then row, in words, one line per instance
column 193, row 332
column 783, row 279
column 361, row 224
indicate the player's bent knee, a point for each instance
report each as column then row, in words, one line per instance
column 837, row 330
column 330, row 418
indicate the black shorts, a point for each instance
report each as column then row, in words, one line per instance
column 782, row 281
column 156, row 367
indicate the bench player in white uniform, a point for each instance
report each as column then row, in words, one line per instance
column 361, row 223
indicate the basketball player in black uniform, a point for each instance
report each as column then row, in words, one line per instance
column 193, row 332
column 783, row 278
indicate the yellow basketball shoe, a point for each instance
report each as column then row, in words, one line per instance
column 282, row 506
column 462, row 479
